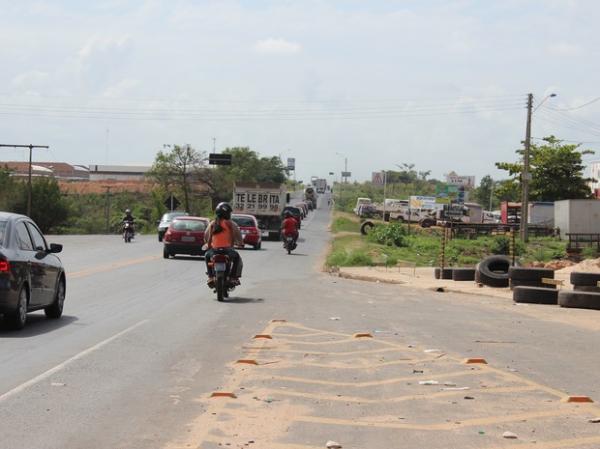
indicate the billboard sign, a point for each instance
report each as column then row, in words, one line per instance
column 422, row 202
column 346, row 174
column 377, row 178
column 468, row 182
column 291, row 163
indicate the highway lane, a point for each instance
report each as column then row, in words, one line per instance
column 143, row 342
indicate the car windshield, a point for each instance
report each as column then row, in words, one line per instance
column 2, row 231
column 189, row 225
column 244, row 221
column 172, row 215
column 292, row 210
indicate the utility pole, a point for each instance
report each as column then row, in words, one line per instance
column 525, row 175
column 107, row 208
column 384, row 192
column 31, row 147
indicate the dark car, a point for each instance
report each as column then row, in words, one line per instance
column 296, row 213
column 185, row 235
column 32, row 277
column 166, row 220
column 249, row 227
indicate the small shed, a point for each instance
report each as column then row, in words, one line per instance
column 577, row 216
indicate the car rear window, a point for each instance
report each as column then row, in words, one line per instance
column 244, row 221
column 2, row 231
column 169, row 216
column 189, row 225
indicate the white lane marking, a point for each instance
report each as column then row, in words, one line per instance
column 20, row 388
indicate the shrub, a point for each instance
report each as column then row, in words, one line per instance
column 501, row 245
column 391, row 235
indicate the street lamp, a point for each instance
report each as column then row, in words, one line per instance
column 342, row 175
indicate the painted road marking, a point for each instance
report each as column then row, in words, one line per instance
column 24, row 386
column 269, row 399
column 110, row 267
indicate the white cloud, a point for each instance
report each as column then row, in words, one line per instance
column 280, row 46
column 565, row 49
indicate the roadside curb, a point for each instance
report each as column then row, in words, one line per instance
column 357, row 277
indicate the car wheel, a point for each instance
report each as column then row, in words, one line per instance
column 166, row 253
column 17, row 319
column 55, row 310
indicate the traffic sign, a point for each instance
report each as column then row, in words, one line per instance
column 219, row 159
column 171, row 202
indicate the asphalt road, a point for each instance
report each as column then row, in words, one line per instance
column 143, row 343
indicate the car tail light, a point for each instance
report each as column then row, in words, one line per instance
column 4, row 266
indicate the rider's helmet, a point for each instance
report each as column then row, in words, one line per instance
column 127, row 211
column 223, row 210
column 287, row 214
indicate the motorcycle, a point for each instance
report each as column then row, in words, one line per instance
column 127, row 231
column 221, row 265
column 288, row 244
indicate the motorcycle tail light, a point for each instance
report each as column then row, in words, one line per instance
column 219, row 258
column 4, row 266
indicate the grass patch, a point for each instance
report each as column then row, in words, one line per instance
column 344, row 222
column 424, row 246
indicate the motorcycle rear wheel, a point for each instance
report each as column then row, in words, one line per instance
column 220, row 285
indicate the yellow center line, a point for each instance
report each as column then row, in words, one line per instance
column 111, row 267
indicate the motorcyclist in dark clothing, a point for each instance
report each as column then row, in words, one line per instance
column 128, row 218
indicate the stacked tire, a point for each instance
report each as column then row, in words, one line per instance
column 456, row 274
column 443, row 273
column 585, row 282
column 585, row 294
column 535, row 295
column 529, row 277
column 493, row 271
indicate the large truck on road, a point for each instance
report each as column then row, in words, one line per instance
column 321, row 185
column 265, row 201
column 310, row 196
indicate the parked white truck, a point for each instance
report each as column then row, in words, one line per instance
column 265, row 201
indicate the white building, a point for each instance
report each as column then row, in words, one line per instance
column 118, row 172
column 595, row 173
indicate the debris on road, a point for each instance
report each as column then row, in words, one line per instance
column 594, row 420
column 509, row 435
column 432, row 351
column 469, row 398
column 456, row 389
column 333, row 445
column 335, row 318
column 429, row 382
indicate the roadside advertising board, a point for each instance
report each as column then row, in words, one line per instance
column 468, row 182
column 422, row 202
column 377, row 178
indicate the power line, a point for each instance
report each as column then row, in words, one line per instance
column 576, row 107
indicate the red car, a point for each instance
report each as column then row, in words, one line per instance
column 185, row 235
column 249, row 227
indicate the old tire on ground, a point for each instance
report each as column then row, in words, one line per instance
column 446, row 273
column 366, row 227
column 535, row 295
column 529, row 274
column 463, row 274
column 589, row 279
column 437, row 273
column 528, row 283
column 493, row 271
column 579, row 300
column 586, row 288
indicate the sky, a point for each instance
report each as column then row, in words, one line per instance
column 379, row 83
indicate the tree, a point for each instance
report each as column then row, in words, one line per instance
column 556, row 171
column 484, row 193
column 246, row 166
column 178, row 168
column 48, row 207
